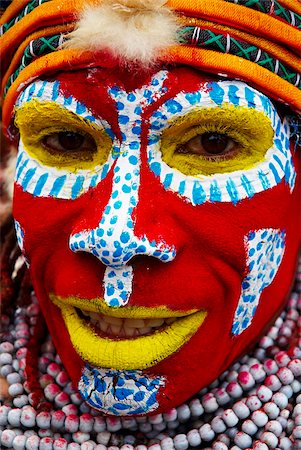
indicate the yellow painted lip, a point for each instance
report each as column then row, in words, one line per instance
column 139, row 352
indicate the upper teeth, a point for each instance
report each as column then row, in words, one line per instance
column 125, row 327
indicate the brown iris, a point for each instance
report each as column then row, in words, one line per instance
column 69, row 141
column 210, row 144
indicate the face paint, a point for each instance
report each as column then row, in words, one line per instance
column 152, row 262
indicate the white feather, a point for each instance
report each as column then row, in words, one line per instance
column 134, row 31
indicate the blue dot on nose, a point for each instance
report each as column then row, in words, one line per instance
column 82, row 244
column 113, row 220
column 100, row 232
column 126, row 189
column 125, row 237
column 110, row 289
column 141, row 249
column 133, row 160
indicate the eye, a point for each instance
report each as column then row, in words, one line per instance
column 69, row 141
column 209, row 144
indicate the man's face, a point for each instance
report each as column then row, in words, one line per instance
column 159, row 215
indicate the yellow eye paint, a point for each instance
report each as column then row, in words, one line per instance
column 250, row 129
column 36, row 120
column 139, row 352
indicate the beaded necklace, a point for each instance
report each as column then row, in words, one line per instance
column 255, row 404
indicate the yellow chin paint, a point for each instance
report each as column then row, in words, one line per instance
column 141, row 352
column 251, row 130
column 37, row 120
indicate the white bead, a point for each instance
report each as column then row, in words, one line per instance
column 298, row 419
column 280, row 399
column 103, row 437
column 46, row 443
column 128, row 447
column 5, row 370
column 180, row 442
column 101, row 447
column 183, row 414
column 246, row 380
column 57, row 419
column 218, row 425
column 260, row 446
column 80, row 437
column 264, row 393
column 270, row 439
column 243, row 440
column 33, row 443
column 274, row 427
column 86, row 423
column 270, row 366
column 249, row 427
column 253, row 403
column 234, row 389
column 14, row 416
column 7, row 438
column 297, row 432
column 194, row 438
column 21, row 400
column 295, row 367
column 43, row 419
column 13, row 378
column 259, row 418
column 206, row 432
column 99, row 424
column 241, row 410
column 73, row 446
column 6, row 358
column 6, row 347
column 138, row 447
column 272, row 410
column 287, row 390
column 113, row 425
column 273, row 382
column 224, row 439
column 219, row 446
column 196, row 408
column 71, row 423
column 19, row 442
column 166, row 444
column 209, row 403
column 285, row 443
column 230, row 418
column 285, row 375
column 28, row 417
column 297, row 410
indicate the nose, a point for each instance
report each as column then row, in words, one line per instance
column 114, row 241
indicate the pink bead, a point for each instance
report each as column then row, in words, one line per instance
column 258, row 372
column 71, row 423
column 53, row 369
column 46, row 379
column 86, row 423
column 282, row 359
column 234, row 389
column 62, row 399
column 270, row 366
column 43, row 419
column 99, row 424
column 62, row 378
column 295, row 367
column 60, row 444
column 258, row 445
column 76, row 398
column 46, row 443
column 33, row 443
column 70, row 409
column 273, row 383
column 51, row 391
column 57, row 419
column 21, row 353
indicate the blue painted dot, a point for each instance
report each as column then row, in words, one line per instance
column 82, row 244
column 110, row 232
column 112, row 274
column 133, row 159
column 123, row 119
column 117, row 205
column 156, row 168
column 141, row 249
column 124, row 237
column 128, row 176
column 110, row 289
column 120, row 106
column 134, row 145
column 173, row 106
column 126, row 189
column 113, row 220
column 131, row 97
column 106, row 253
column 136, row 130
column 117, row 179
column 100, row 232
column 164, row 257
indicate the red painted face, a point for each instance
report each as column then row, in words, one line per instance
column 161, row 226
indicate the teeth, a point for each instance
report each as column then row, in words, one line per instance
column 121, row 327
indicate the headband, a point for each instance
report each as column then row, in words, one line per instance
column 257, row 41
